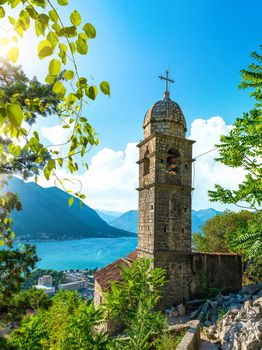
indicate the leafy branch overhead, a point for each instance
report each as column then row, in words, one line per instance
column 242, row 147
column 65, row 93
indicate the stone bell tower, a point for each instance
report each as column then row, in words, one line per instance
column 165, row 172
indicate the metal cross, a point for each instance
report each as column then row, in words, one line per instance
column 167, row 79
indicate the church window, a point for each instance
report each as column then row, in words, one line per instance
column 186, row 166
column 146, row 162
column 185, row 210
column 182, row 230
column 164, row 229
column 173, row 161
column 162, row 160
column 152, row 207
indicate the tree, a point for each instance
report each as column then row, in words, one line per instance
column 220, row 230
column 252, row 77
column 249, row 239
column 64, row 95
column 243, row 146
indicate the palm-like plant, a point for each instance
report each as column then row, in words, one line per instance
column 250, row 240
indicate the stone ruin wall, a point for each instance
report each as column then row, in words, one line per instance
column 215, row 270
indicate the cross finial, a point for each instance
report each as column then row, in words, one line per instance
column 168, row 80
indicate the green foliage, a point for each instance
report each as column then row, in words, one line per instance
column 140, row 285
column 131, row 303
column 14, row 306
column 252, row 77
column 68, row 324
column 22, row 100
column 249, row 239
column 168, row 341
column 220, row 230
column 15, row 267
column 254, row 270
column 242, row 147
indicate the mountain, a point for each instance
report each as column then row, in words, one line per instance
column 46, row 215
column 206, row 214
column 108, row 215
column 129, row 220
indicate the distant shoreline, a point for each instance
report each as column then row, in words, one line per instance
column 70, row 239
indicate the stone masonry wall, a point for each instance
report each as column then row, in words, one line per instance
column 217, row 270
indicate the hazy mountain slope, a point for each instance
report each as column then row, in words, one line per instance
column 46, row 215
column 206, row 214
column 129, row 220
column 108, row 215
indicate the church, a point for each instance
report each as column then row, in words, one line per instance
column 164, row 209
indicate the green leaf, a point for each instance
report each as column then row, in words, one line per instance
column 60, row 161
column 11, row 20
column 51, row 164
column 62, row 2
column 2, row 242
column 54, row 67
column 13, row 54
column 69, row 74
column 53, row 38
column 53, row 16
column 2, row 12
column 69, row 32
column 44, row 49
column 41, row 24
column 59, row 89
column 14, row 3
column 15, row 114
column 92, row 92
column 81, row 45
column 75, row 18
column 71, row 201
column 72, row 47
column 49, row 79
column 90, row 30
column 105, row 87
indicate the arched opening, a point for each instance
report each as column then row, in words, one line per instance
column 173, row 161
column 146, row 163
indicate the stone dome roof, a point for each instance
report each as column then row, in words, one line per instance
column 165, row 110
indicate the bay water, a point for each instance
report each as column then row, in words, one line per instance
column 83, row 253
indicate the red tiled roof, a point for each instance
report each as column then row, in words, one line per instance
column 105, row 276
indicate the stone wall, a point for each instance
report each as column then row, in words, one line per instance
column 215, row 270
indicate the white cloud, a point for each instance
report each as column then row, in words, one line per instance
column 110, row 181
column 209, row 172
column 112, row 177
column 56, row 134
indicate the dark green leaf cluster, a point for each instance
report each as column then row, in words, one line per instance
column 242, row 147
column 252, row 77
column 15, row 266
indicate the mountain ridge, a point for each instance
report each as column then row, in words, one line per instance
column 129, row 220
column 46, row 215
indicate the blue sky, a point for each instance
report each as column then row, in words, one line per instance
column 204, row 44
